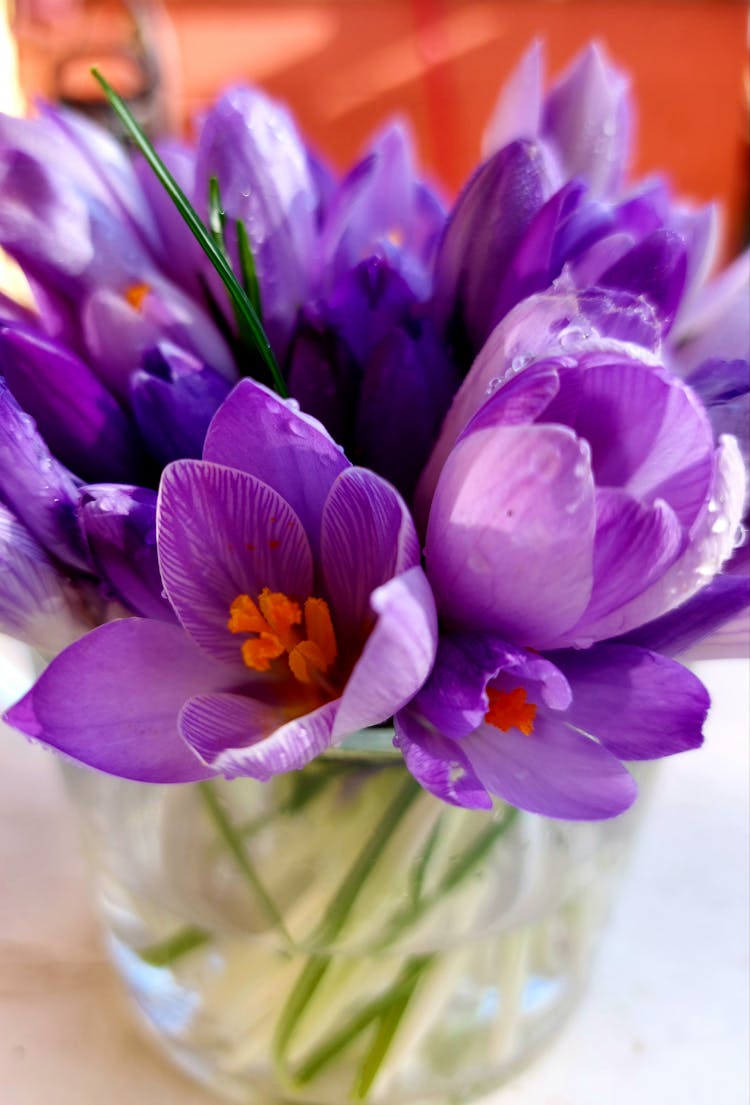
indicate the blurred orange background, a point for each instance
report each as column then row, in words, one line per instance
column 346, row 66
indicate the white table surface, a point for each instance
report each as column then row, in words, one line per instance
column 665, row 1020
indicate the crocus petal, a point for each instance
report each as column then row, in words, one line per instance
column 518, row 111
column 718, row 322
column 510, row 536
column 635, row 543
column 257, row 432
column 77, row 417
column 556, row 771
column 638, row 704
column 39, row 491
column 587, row 118
column 454, row 698
column 438, row 763
column 120, row 526
column 222, row 533
column 397, row 656
column 174, row 398
column 485, row 227
column 655, row 268
column 648, row 433
column 236, row 735
column 252, row 146
column 724, row 389
column 367, row 537
column 722, row 600
column 366, row 303
column 710, row 543
column 36, row 604
column 111, row 700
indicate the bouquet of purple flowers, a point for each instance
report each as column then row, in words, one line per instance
column 285, row 456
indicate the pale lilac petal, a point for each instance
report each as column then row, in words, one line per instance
column 710, row 543
column 511, row 532
column 257, row 432
column 635, row 543
column 640, row 705
column 718, row 322
column 556, row 771
column 236, row 735
column 223, row 533
column 111, row 700
column 397, row 656
column 648, row 433
column 37, row 605
column 367, row 537
column 438, row 764
column 518, row 111
column 523, row 398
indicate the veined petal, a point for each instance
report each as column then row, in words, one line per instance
column 438, row 763
column 397, row 656
column 556, row 771
column 640, row 705
column 111, row 701
column 236, row 735
column 511, row 532
column 367, row 538
column 256, row 432
column 223, row 533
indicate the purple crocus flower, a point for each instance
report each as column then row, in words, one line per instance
column 303, row 614
column 577, row 497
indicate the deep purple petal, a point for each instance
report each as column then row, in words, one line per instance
column 39, row 491
column 638, row 704
column 258, row 433
column 120, row 526
column 555, row 771
column 111, row 700
column 438, row 764
column 222, row 533
column 236, row 735
column 324, row 378
column 77, row 417
column 655, row 268
column 511, row 531
column 397, row 656
column 723, row 599
column 485, row 227
column 174, row 398
column 367, row 538
column 366, row 303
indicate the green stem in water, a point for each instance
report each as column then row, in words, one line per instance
column 168, row 951
column 336, row 914
column 251, row 328
column 233, row 841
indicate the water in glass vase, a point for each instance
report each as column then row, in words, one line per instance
column 338, row 935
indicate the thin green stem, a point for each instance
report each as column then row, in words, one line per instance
column 388, row 1024
column 336, row 914
column 251, row 327
column 168, row 951
column 233, row 841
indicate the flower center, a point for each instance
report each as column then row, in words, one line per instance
column 136, row 294
column 278, row 625
column 510, row 710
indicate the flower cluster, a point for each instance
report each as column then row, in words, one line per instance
column 508, row 488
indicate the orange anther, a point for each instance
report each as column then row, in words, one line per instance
column 320, row 630
column 510, row 710
column 136, row 294
column 257, row 652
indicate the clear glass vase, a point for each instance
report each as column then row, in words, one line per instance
column 338, row 935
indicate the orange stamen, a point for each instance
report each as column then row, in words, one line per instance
column 311, row 650
column 257, row 652
column 320, row 630
column 136, row 294
column 510, row 710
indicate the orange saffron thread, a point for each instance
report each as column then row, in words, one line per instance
column 510, row 710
